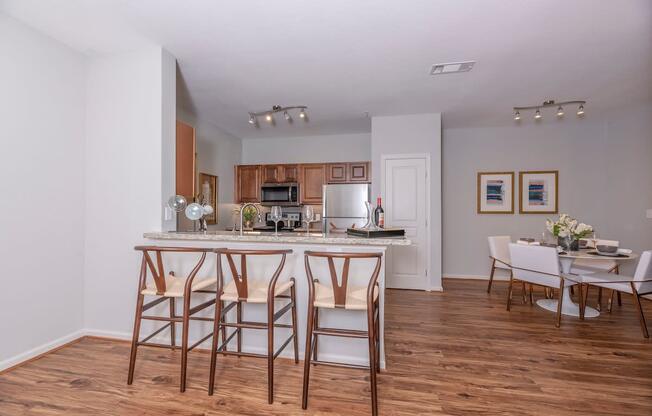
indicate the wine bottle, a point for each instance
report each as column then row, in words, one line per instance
column 379, row 214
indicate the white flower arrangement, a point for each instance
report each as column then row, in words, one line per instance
column 567, row 226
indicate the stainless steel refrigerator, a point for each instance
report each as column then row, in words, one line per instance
column 344, row 206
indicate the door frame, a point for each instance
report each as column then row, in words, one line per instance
column 401, row 156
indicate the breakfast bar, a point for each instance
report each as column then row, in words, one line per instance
column 345, row 350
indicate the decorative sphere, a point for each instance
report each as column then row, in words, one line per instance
column 208, row 210
column 177, row 203
column 194, row 211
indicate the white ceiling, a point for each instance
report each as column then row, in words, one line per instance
column 343, row 58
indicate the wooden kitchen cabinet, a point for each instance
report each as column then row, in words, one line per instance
column 336, row 172
column 248, row 179
column 271, row 173
column 290, row 173
column 186, row 161
column 312, row 178
column 358, row 172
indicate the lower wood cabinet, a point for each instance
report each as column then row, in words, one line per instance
column 312, row 178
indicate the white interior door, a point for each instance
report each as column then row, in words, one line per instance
column 406, row 206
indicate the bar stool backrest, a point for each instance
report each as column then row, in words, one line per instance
column 339, row 286
column 240, row 278
column 158, row 271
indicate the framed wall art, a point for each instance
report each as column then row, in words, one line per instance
column 538, row 193
column 208, row 189
column 495, row 193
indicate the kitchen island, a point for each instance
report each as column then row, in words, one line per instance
column 349, row 350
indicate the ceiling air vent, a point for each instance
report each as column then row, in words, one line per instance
column 451, row 67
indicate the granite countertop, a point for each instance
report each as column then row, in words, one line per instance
column 292, row 238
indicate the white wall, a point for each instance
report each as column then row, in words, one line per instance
column 605, row 179
column 217, row 153
column 308, row 149
column 124, row 176
column 410, row 134
column 42, row 217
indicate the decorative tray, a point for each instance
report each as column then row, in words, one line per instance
column 382, row 233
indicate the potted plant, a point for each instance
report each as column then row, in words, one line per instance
column 249, row 216
column 568, row 231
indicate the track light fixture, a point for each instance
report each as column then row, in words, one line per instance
column 549, row 103
column 269, row 114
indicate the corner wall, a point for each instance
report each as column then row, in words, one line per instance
column 41, row 164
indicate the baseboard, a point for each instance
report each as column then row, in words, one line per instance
column 43, row 349
column 49, row 347
column 436, row 289
column 475, row 277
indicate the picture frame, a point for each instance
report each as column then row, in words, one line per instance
column 495, row 193
column 538, row 192
column 208, row 191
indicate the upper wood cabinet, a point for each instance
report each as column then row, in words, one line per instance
column 280, row 173
column 247, row 183
column 336, row 172
column 358, row 172
column 312, row 178
column 351, row 172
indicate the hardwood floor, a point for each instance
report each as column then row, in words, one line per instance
column 468, row 355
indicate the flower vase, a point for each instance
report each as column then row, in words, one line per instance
column 564, row 243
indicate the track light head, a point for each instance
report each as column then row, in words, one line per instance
column 269, row 117
column 286, row 115
column 560, row 112
column 580, row 110
column 302, row 113
column 537, row 115
column 252, row 119
column 517, row 116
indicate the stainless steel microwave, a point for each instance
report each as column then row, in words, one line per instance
column 283, row 194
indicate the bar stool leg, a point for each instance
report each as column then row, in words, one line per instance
column 216, row 330
column 295, row 341
column 377, row 333
column 134, row 339
column 316, row 324
column 184, row 341
column 222, row 304
column 372, row 359
column 238, row 315
column 307, row 354
column 173, row 332
column 270, row 351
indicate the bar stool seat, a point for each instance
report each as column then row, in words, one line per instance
column 175, row 286
column 258, row 290
column 356, row 297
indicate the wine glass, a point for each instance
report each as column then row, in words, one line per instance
column 308, row 217
column 275, row 215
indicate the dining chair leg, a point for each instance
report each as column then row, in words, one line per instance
column 307, row 355
column 610, row 302
column 572, row 290
column 491, row 275
column 295, row 341
column 316, row 324
column 216, row 329
column 184, row 341
column 620, row 299
column 559, row 302
column 531, row 297
column 598, row 306
column 134, row 338
column 270, row 351
column 641, row 316
column 173, row 332
column 238, row 314
column 524, row 293
column 372, row 359
column 509, row 292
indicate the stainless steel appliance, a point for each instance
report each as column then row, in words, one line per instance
column 283, row 194
column 344, row 206
column 289, row 221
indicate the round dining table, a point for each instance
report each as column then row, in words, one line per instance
column 566, row 259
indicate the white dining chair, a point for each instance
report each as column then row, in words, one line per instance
column 604, row 266
column 639, row 285
column 499, row 255
column 538, row 265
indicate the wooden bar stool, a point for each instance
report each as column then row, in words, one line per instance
column 169, row 287
column 240, row 290
column 344, row 296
